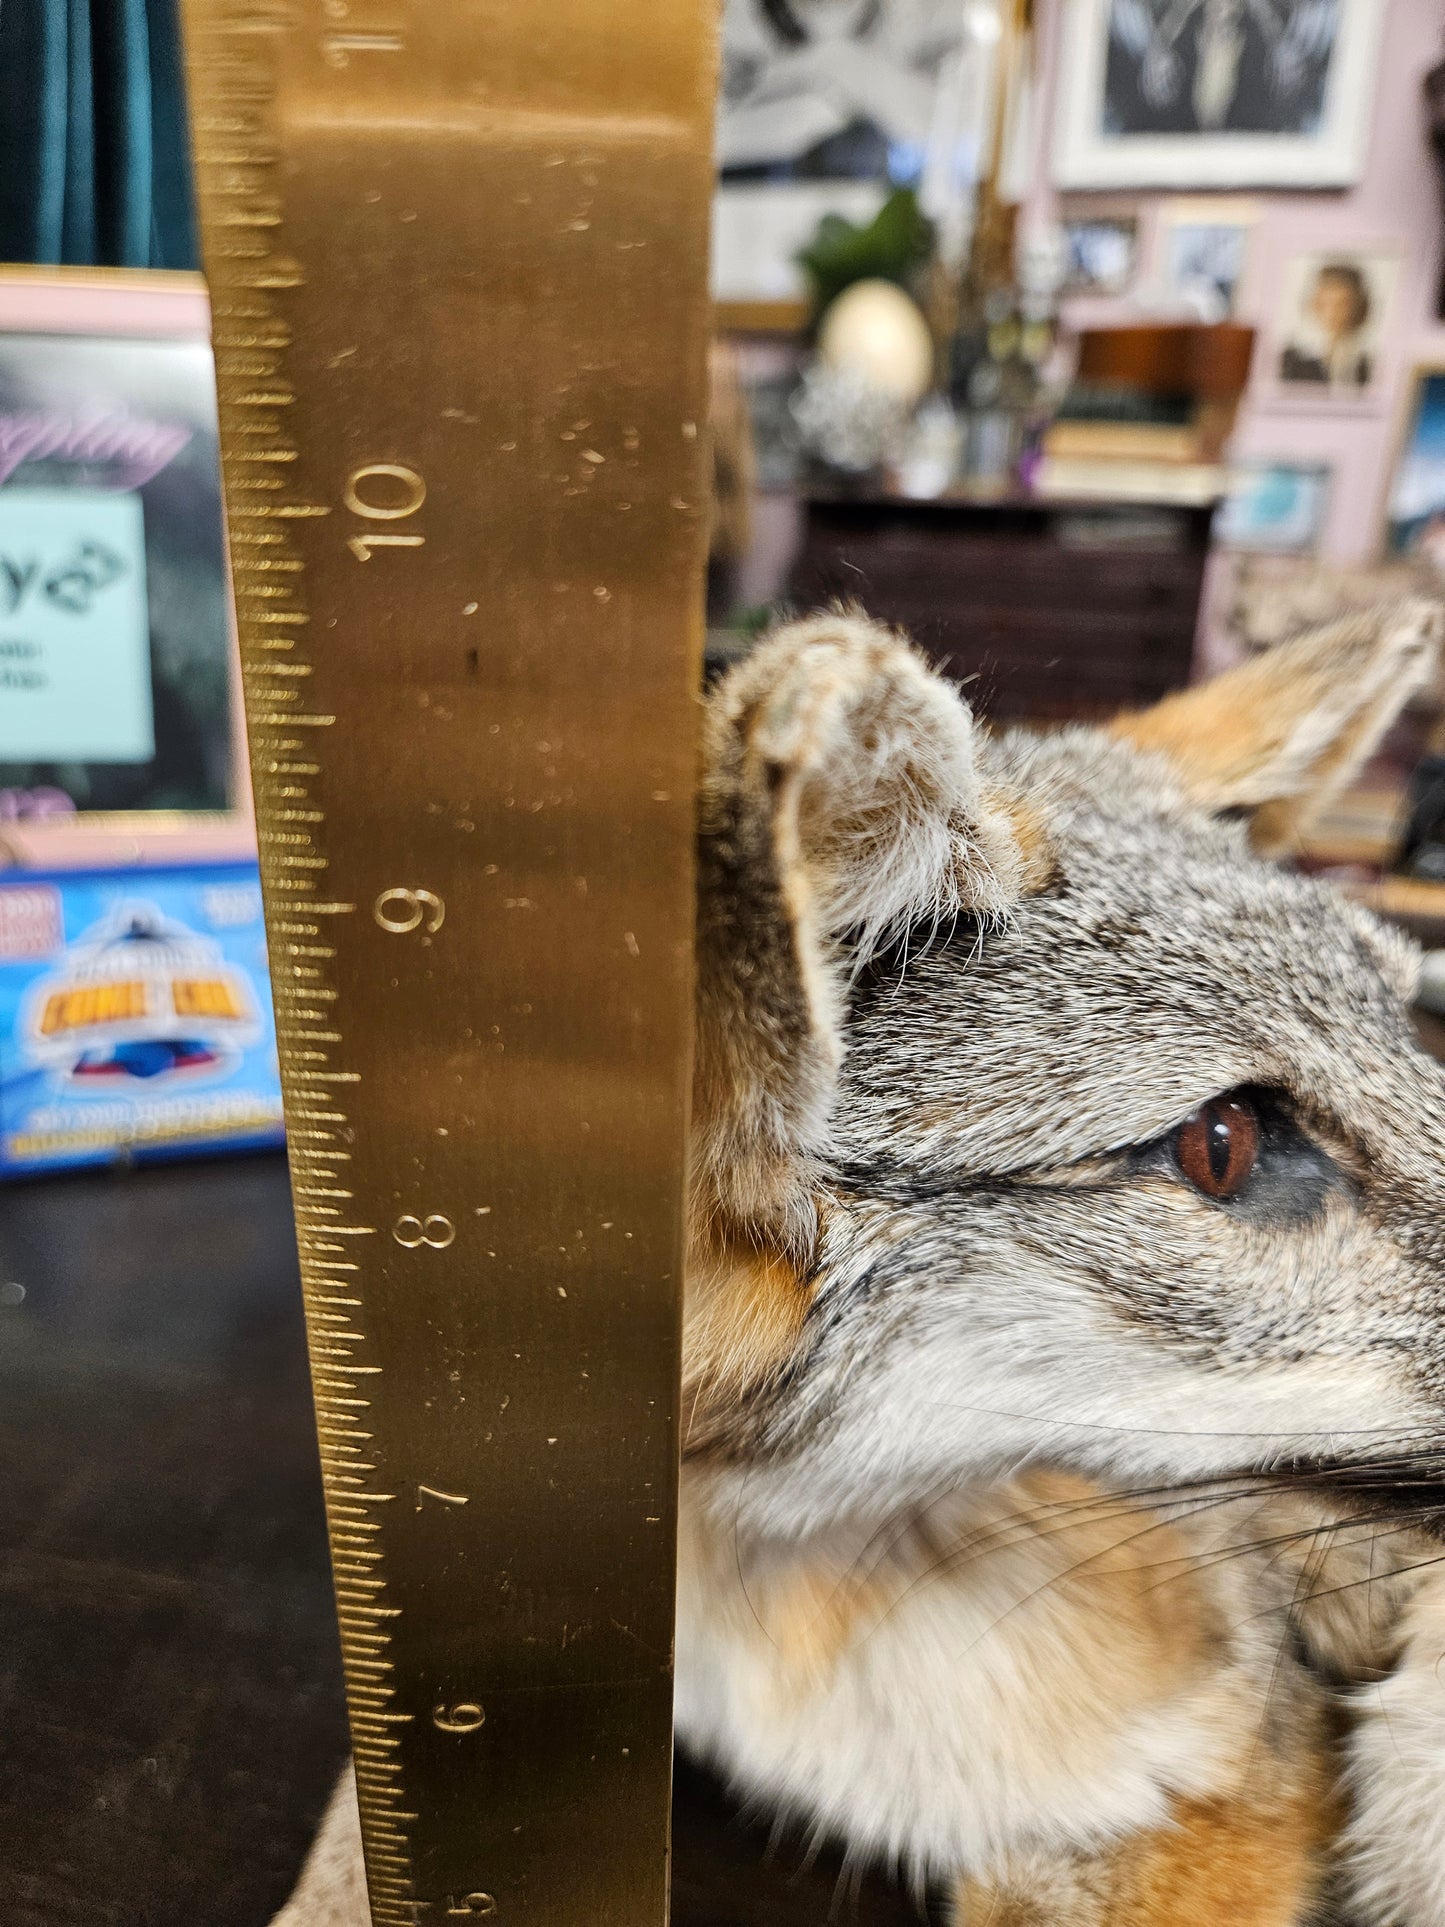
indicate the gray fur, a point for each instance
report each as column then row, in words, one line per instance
column 996, row 1092
column 1008, row 1268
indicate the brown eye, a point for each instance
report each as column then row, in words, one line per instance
column 1218, row 1147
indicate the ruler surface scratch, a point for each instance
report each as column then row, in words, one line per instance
column 457, row 262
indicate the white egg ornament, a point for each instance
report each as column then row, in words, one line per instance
column 877, row 332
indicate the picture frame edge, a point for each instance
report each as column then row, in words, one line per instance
column 1406, row 413
column 1325, row 469
column 1081, row 161
column 1302, row 398
column 123, row 839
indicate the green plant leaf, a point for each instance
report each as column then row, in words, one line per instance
column 893, row 246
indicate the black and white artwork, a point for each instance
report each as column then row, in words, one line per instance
column 1218, row 66
column 1203, row 263
column 1206, row 93
column 831, row 89
column 825, row 106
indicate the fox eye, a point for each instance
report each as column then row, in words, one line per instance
column 1218, row 1147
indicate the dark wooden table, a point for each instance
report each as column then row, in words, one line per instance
column 171, row 1716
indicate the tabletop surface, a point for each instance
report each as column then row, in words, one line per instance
column 170, row 1687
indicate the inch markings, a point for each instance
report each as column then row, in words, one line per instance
column 231, row 90
column 459, row 289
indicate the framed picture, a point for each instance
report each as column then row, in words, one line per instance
column 1332, row 313
column 1211, row 93
column 1415, row 513
column 823, row 107
column 1203, row 253
column 119, row 716
column 1274, row 508
column 1101, row 254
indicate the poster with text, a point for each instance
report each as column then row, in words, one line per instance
column 115, row 685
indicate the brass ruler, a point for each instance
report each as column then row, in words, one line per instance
column 456, row 251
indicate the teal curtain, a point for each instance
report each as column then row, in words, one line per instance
column 94, row 148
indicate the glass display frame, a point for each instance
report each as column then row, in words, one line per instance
column 107, row 389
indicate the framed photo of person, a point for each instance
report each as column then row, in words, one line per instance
column 120, row 721
column 1415, row 510
column 1215, row 93
column 1332, row 314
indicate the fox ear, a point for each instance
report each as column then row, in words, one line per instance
column 1281, row 733
column 840, row 804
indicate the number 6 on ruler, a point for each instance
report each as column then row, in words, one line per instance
column 465, row 1717
column 399, row 910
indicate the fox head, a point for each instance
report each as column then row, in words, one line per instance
column 1037, row 1115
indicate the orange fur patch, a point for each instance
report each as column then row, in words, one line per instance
column 1135, row 1580
column 744, row 1313
column 1039, row 864
column 1234, row 1863
column 1288, row 727
column 816, row 1616
column 1237, row 1863
column 1215, row 740
column 1103, row 1614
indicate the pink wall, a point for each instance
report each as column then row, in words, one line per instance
column 1398, row 203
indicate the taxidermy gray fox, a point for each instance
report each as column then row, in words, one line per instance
column 1064, row 1374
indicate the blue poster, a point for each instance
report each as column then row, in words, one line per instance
column 135, row 1016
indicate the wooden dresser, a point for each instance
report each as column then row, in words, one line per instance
column 1045, row 609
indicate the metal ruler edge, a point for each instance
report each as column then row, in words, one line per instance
column 242, row 167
